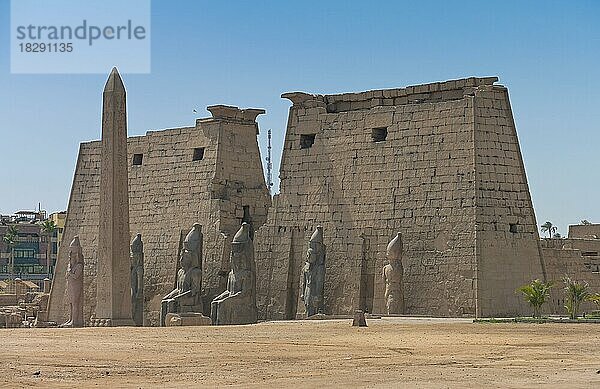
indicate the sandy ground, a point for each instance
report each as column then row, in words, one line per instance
column 391, row 352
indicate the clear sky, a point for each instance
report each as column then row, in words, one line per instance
column 247, row 53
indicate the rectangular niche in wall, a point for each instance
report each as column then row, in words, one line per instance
column 307, row 140
column 198, row 154
column 137, row 159
column 379, row 134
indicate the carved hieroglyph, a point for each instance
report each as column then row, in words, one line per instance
column 113, row 269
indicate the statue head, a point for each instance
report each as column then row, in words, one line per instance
column 137, row 246
column 75, row 251
column 316, row 239
column 193, row 244
column 315, row 244
column 242, row 249
column 186, row 259
column 394, row 248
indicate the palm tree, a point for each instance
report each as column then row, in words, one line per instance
column 549, row 228
column 575, row 294
column 536, row 293
column 48, row 228
column 10, row 239
column 595, row 298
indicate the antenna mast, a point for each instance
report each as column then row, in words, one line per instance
column 269, row 164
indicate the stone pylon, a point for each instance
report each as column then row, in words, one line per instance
column 113, row 279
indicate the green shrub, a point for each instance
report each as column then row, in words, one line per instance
column 575, row 293
column 536, row 293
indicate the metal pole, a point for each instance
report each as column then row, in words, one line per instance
column 269, row 164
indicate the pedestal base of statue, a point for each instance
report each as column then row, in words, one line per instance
column 97, row 322
column 322, row 316
column 44, row 324
column 186, row 319
column 359, row 319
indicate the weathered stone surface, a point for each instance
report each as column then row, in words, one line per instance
column 577, row 256
column 392, row 277
column 186, row 297
column 186, row 319
column 74, row 277
column 168, row 188
column 313, row 274
column 237, row 305
column 359, row 319
column 113, row 275
column 449, row 175
column 137, row 280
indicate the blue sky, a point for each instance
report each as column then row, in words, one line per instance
column 247, row 53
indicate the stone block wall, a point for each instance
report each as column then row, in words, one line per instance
column 585, row 231
column 576, row 258
column 168, row 192
column 508, row 253
column 439, row 163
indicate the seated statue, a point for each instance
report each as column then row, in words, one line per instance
column 186, row 297
column 237, row 305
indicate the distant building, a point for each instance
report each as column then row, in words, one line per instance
column 59, row 219
column 30, row 251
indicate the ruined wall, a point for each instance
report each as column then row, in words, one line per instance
column 576, row 258
column 168, row 192
column 585, row 231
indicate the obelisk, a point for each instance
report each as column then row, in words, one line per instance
column 113, row 278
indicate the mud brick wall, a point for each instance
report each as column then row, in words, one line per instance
column 169, row 192
column 448, row 170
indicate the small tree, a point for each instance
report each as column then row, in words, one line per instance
column 575, row 294
column 536, row 293
column 595, row 298
column 549, row 228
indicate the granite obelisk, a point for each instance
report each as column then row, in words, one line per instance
column 113, row 279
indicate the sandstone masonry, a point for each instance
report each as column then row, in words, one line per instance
column 210, row 174
column 439, row 163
